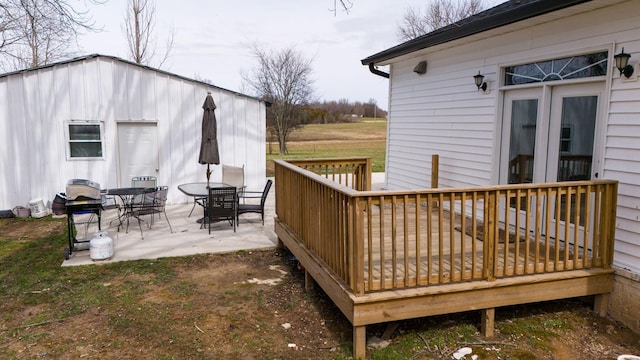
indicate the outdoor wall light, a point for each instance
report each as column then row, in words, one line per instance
column 479, row 80
column 421, row 68
column 622, row 63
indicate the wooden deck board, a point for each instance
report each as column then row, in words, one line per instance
column 521, row 257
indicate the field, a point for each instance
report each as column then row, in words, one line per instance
column 366, row 138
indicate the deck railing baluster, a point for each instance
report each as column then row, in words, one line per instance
column 387, row 240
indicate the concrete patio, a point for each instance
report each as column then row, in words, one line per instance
column 187, row 237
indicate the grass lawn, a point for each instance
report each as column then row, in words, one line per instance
column 243, row 305
column 366, row 138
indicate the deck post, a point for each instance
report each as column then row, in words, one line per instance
column 487, row 323
column 435, row 168
column 490, row 236
column 308, row 281
column 601, row 304
column 359, row 342
column 356, row 244
column 367, row 172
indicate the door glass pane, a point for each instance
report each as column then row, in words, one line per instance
column 577, row 129
column 524, row 114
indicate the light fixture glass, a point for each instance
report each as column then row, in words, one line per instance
column 622, row 63
column 479, row 80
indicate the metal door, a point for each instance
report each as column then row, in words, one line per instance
column 138, row 151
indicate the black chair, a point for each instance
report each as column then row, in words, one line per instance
column 221, row 205
column 255, row 208
column 146, row 182
column 151, row 202
column 141, row 203
column 157, row 205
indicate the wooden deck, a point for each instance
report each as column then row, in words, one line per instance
column 392, row 255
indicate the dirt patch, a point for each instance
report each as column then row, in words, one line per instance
column 252, row 305
column 23, row 230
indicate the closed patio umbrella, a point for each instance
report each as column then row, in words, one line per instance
column 209, row 144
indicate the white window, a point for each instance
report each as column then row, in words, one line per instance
column 85, row 139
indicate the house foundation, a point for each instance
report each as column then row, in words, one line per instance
column 624, row 303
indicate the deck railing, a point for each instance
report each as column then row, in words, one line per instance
column 388, row 240
column 353, row 172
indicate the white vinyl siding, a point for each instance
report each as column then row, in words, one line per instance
column 622, row 159
column 442, row 112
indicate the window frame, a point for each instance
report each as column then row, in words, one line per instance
column 69, row 141
column 547, row 68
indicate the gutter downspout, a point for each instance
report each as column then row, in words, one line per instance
column 378, row 72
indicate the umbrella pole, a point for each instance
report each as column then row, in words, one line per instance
column 208, row 174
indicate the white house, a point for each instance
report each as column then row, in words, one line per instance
column 555, row 108
column 106, row 119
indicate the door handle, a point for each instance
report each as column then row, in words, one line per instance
column 596, row 175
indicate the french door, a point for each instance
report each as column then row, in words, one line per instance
column 549, row 135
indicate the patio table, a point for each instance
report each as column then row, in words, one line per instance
column 200, row 191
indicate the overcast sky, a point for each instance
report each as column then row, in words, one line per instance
column 211, row 39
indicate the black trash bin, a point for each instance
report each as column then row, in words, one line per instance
column 58, row 206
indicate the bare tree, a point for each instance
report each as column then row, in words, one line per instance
column 38, row 32
column 139, row 30
column 437, row 14
column 346, row 5
column 8, row 27
column 282, row 78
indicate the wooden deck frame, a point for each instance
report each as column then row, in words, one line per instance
column 342, row 236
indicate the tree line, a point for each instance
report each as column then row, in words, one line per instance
column 342, row 110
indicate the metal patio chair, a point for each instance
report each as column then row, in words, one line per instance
column 244, row 208
column 234, row 176
column 221, row 206
column 157, row 205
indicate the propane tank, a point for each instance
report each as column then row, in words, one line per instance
column 101, row 246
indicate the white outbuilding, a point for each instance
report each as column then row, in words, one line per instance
column 106, row 119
